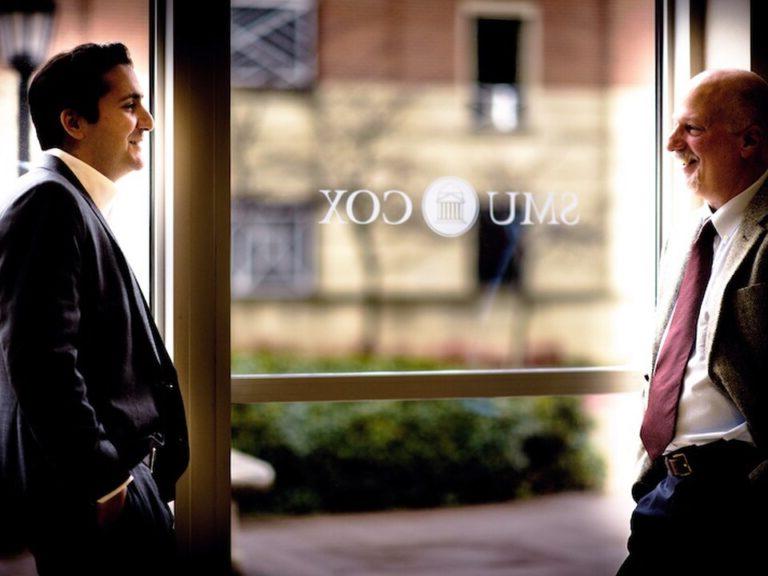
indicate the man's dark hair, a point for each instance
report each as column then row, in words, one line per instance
column 73, row 80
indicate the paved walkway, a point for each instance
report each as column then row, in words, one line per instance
column 577, row 534
column 24, row 566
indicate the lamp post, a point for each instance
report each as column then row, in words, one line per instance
column 25, row 35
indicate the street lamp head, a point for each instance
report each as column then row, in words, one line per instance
column 25, row 33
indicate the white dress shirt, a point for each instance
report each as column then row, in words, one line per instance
column 102, row 191
column 100, row 188
column 705, row 413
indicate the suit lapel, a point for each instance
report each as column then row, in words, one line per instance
column 751, row 230
column 59, row 167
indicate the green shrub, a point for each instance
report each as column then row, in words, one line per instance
column 394, row 454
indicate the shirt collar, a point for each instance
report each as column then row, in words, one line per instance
column 728, row 217
column 100, row 188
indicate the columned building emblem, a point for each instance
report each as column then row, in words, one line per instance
column 450, row 206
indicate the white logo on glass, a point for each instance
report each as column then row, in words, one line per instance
column 450, row 206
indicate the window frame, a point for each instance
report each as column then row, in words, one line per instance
column 191, row 265
column 432, row 384
column 191, row 287
column 319, row 387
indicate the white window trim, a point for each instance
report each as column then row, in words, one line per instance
column 432, row 384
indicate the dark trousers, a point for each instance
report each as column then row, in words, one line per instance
column 65, row 538
column 709, row 522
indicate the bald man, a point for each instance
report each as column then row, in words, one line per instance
column 701, row 495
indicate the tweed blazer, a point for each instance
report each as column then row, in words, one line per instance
column 737, row 333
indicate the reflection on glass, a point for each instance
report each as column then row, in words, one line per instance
column 451, row 183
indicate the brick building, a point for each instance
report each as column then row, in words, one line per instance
column 551, row 99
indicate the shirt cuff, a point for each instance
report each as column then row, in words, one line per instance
column 115, row 491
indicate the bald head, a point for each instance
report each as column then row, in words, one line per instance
column 721, row 133
column 736, row 97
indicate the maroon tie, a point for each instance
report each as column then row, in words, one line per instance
column 658, row 427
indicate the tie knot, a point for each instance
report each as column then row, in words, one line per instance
column 707, row 233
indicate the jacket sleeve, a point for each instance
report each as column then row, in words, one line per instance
column 41, row 263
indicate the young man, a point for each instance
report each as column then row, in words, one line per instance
column 92, row 429
column 701, row 498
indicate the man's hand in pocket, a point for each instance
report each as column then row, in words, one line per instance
column 109, row 511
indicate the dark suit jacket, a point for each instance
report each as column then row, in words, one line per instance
column 86, row 384
column 737, row 334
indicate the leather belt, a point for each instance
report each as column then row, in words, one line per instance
column 720, row 458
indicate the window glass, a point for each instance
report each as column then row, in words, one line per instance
column 474, row 486
column 441, row 183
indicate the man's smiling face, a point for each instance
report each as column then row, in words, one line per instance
column 113, row 142
column 705, row 143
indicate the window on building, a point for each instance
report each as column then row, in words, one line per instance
column 271, row 249
column 498, row 98
column 500, row 254
column 273, row 44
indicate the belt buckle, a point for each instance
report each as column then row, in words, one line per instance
column 155, row 442
column 677, row 465
column 152, row 458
